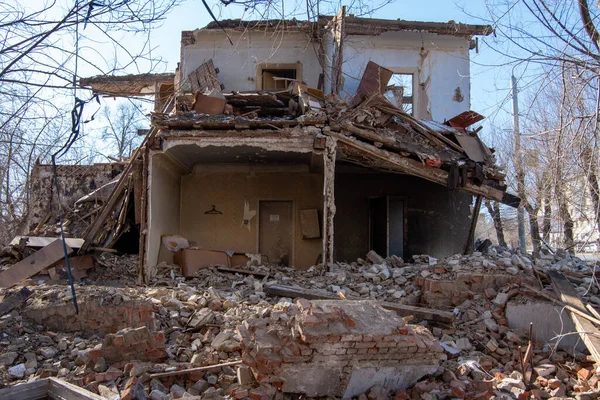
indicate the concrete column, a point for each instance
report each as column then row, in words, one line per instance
column 328, row 200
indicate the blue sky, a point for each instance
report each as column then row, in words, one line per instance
column 489, row 84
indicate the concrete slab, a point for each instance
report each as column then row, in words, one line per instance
column 394, row 378
column 312, row 380
column 549, row 321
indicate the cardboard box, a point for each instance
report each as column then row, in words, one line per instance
column 193, row 260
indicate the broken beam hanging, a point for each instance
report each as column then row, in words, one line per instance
column 394, row 162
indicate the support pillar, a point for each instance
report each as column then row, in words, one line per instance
column 328, row 200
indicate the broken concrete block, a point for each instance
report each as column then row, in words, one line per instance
column 501, row 299
column 375, row 258
column 8, row 358
column 17, row 371
column 48, row 352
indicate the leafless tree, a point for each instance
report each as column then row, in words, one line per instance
column 43, row 47
column 121, row 128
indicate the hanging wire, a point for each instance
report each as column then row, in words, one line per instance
column 76, row 115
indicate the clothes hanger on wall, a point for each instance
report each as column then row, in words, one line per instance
column 213, row 210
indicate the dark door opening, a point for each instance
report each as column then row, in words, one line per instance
column 386, row 225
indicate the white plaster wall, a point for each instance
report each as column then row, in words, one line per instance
column 442, row 66
column 237, row 64
column 441, row 62
column 164, row 205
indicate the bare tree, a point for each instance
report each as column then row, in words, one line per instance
column 43, row 48
column 121, row 128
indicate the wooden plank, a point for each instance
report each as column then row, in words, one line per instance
column 187, row 371
column 568, row 307
column 204, row 78
column 59, row 389
column 42, row 241
column 474, row 217
column 587, row 331
column 80, row 263
column 401, row 309
column 33, row 264
column 138, row 187
column 26, row 391
column 374, row 79
column 396, row 163
column 241, row 271
column 14, row 301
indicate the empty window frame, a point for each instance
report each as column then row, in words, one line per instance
column 266, row 74
column 400, row 92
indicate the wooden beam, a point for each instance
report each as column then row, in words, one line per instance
column 42, row 241
column 27, row 391
column 14, row 300
column 587, row 331
column 474, row 218
column 33, row 264
column 232, row 270
column 401, row 309
column 59, row 389
column 91, row 234
column 562, row 304
column 397, row 163
column 187, row 371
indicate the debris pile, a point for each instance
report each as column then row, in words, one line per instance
column 327, row 347
column 125, row 335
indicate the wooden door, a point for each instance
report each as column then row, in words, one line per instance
column 276, row 230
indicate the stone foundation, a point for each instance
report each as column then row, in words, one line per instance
column 93, row 317
column 338, row 348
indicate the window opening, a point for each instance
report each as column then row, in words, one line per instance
column 269, row 83
column 400, row 92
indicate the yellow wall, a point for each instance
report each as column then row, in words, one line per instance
column 228, row 191
column 163, row 216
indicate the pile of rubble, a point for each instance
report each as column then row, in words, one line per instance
column 133, row 341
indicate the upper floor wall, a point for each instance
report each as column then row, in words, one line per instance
column 241, row 66
column 436, row 65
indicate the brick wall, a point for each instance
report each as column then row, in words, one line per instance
column 94, row 317
column 75, row 181
column 325, row 347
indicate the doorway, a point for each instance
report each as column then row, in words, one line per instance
column 386, row 225
column 275, row 231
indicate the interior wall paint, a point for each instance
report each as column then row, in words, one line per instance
column 442, row 63
column 229, row 191
column 163, row 204
column 437, row 220
column 237, row 63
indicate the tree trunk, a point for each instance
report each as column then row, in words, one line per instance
column 547, row 217
column 592, row 178
column 496, row 217
column 534, row 229
column 565, row 216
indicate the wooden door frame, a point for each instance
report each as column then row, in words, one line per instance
column 293, row 255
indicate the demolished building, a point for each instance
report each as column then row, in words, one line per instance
column 274, row 154
column 290, row 219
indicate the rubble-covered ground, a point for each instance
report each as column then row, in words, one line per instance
column 186, row 323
